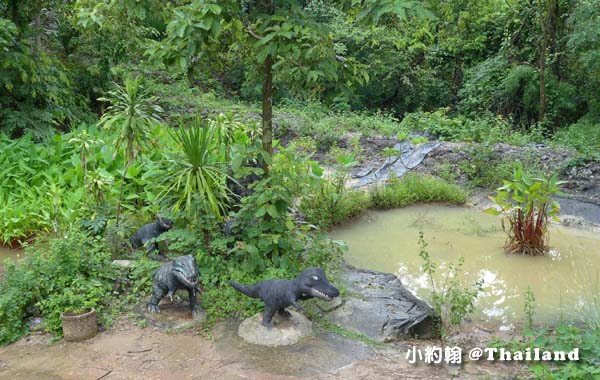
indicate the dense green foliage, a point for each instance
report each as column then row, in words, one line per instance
column 564, row 337
column 113, row 112
column 185, row 174
column 533, row 64
column 68, row 273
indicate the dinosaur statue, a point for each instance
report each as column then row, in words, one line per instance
column 181, row 273
column 144, row 236
column 278, row 294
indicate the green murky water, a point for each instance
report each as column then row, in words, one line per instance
column 6, row 253
column 564, row 282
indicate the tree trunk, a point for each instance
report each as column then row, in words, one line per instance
column 121, row 193
column 267, row 106
column 38, row 32
column 542, row 69
column 543, row 82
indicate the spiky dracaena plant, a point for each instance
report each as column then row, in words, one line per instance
column 196, row 174
column 526, row 205
column 131, row 112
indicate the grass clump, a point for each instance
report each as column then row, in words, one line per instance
column 414, row 188
column 326, row 208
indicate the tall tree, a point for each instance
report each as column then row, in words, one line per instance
column 545, row 18
column 282, row 36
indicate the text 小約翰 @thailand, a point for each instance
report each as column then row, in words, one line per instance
column 454, row 355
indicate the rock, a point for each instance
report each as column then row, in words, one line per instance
column 126, row 264
column 35, row 324
column 285, row 331
column 173, row 316
column 576, row 213
column 380, row 307
column 328, row 306
column 572, row 221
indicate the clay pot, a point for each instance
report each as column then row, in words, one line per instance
column 78, row 327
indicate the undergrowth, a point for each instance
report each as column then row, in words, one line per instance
column 414, row 188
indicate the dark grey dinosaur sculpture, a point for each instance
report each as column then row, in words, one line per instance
column 279, row 294
column 143, row 237
column 181, row 273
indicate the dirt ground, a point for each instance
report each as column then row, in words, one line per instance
column 127, row 351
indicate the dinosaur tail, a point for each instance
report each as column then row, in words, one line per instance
column 250, row 291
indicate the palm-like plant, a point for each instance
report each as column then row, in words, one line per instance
column 84, row 141
column 132, row 110
column 199, row 172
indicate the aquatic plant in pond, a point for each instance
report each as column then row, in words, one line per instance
column 526, row 207
column 451, row 301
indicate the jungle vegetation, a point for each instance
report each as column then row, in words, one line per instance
column 112, row 112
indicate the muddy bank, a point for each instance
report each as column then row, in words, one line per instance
column 583, row 178
column 573, row 213
column 582, row 182
column 128, row 352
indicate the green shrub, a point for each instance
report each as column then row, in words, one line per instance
column 485, row 168
column 332, row 203
column 304, row 144
column 583, row 136
column 484, row 129
column 413, row 188
column 529, row 306
column 564, row 337
column 69, row 273
column 44, row 182
column 326, row 208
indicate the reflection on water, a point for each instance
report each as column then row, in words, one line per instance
column 562, row 281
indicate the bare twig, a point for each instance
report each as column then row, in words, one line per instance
column 139, row 351
column 103, row 376
column 252, row 33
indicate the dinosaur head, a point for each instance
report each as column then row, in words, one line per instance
column 313, row 283
column 186, row 270
column 164, row 224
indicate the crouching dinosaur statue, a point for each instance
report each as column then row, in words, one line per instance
column 279, row 294
column 145, row 235
column 181, row 273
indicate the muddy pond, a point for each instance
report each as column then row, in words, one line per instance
column 8, row 253
column 566, row 282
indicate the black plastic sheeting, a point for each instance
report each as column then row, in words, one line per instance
column 409, row 156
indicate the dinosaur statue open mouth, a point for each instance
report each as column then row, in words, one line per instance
column 192, row 281
column 319, row 294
